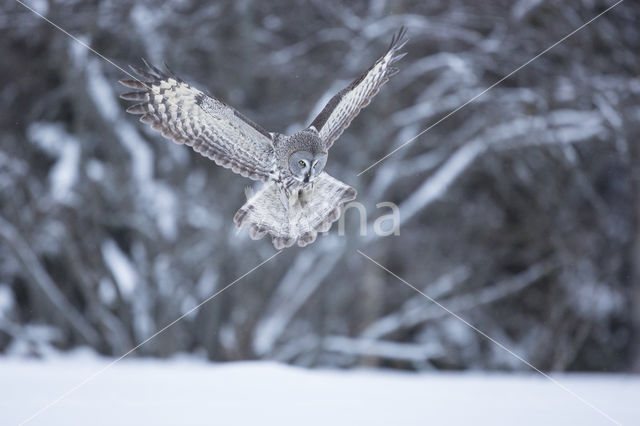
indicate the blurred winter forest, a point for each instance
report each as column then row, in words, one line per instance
column 520, row 212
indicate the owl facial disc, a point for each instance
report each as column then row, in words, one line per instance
column 306, row 166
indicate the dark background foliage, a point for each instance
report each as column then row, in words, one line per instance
column 520, row 212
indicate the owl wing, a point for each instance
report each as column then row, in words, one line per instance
column 299, row 218
column 209, row 126
column 345, row 106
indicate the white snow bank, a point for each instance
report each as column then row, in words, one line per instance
column 188, row 392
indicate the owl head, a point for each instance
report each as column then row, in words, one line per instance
column 306, row 156
column 305, row 165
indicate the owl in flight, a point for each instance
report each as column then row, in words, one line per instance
column 299, row 199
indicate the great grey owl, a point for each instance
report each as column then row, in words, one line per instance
column 299, row 199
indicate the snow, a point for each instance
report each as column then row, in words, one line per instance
column 186, row 391
column 107, row 292
column 121, row 267
column 55, row 141
column 523, row 7
column 7, row 301
column 434, row 187
column 40, row 6
column 64, row 173
column 290, row 296
column 101, row 91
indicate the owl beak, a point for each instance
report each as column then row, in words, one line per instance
column 306, row 177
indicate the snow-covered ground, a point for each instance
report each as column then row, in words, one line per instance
column 192, row 392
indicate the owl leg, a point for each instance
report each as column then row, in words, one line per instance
column 302, row 198
column 305, row 195
column 285, row 198
column 264, row 213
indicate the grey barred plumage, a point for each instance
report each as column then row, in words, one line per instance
column 299, row 199
column 345, row 106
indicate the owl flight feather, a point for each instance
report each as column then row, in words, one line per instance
column 299, row 199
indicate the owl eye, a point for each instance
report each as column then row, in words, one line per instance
column 302, row 163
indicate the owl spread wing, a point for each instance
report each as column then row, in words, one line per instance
column 299, row 218
column 345, row 106
column 209, row 126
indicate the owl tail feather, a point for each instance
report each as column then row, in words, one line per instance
column 297, row 218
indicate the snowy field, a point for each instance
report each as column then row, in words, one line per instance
column 191, row 392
